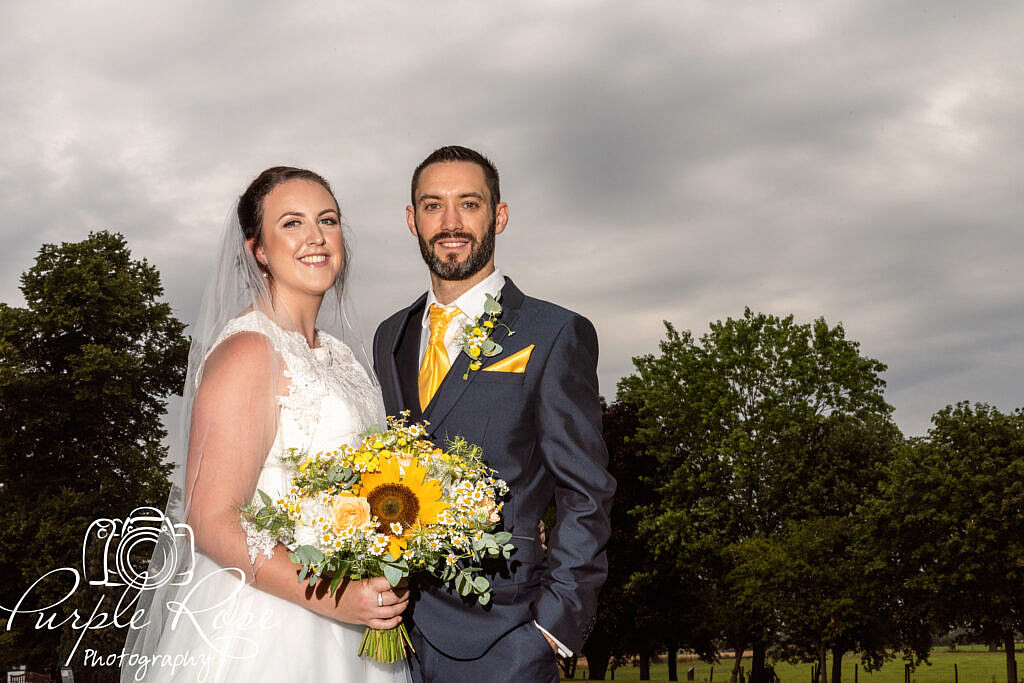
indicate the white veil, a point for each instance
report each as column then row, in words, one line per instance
column 238, row 285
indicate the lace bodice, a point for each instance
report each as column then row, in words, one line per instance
column 330, row 399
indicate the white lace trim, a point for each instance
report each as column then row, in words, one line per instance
column 258, row 540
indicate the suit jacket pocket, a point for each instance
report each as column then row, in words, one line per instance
column 511, row 378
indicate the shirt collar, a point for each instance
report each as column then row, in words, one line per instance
column 471, row 303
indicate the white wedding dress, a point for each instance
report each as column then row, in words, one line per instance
column 246, row 634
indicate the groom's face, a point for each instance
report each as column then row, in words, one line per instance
column 453, row 220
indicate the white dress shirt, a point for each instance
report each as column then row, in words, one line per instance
column 471, row 307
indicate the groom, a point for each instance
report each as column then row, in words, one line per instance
column 533, row 408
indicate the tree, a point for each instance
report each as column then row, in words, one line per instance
column 951, row 524
column 728, row 419
column 814, row 576
column 85, row 370
column 643, row 605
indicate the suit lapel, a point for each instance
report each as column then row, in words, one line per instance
column 453, row 385
column 405, row 361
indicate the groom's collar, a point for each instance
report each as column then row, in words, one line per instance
column 471, row 302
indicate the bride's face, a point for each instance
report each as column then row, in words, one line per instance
column 301, row 243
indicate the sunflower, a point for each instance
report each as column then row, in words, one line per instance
column 403, row 500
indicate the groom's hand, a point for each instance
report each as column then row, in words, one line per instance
column 550, row 642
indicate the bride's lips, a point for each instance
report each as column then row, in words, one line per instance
column 314, row 260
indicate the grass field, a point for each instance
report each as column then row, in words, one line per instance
column 974, row 665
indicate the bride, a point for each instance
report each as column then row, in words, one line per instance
column 264, row 377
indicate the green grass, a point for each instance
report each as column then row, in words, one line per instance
column 975, row 665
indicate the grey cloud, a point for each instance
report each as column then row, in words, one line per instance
column 670, row 161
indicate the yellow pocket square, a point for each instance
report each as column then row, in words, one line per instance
column 514, row 363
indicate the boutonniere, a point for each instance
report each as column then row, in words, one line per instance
column 476, row 336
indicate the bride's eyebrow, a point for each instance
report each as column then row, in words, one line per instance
column 302, row 214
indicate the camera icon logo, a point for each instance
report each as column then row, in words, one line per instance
column 145, row 550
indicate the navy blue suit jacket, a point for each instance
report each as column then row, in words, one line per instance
column 541, row 429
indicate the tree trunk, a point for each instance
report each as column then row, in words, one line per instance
column 736, row 664
column 837, row 665
column 757, row 662
column 645, row 662
column 822, row 662
column 1011, row 662
column 598, row 652
column 568, row 665
column 672, row 649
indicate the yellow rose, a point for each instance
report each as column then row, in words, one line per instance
column 490, row 508
column 349, row 511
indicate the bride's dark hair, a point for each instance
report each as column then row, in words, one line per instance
column 250, row 207
column 250, row 204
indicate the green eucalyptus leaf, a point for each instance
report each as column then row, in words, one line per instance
column 393, row 574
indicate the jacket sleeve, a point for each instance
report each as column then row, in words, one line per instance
column 573, row 450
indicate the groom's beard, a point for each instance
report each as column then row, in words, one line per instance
column 450, row 268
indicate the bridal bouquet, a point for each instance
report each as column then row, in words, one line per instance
column 392, row 506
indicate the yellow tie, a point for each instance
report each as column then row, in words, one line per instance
column 435, row 362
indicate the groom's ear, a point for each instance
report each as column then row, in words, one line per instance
column 410, row 218
column 500, row 217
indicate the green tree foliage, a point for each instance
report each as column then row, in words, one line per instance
column 86, row 367
column 815, row 577
column 737, row 423
column 950, row 524
column 645, row 606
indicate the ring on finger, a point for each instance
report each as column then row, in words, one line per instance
column 380, row 599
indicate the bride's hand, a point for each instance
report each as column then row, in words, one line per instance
column 356, row 602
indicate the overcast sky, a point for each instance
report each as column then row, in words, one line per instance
column 669, row 160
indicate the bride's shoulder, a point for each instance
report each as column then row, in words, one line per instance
column 244, row 346
column 243, row 351
column 243, row 364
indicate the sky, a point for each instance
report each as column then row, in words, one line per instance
column 853, row 160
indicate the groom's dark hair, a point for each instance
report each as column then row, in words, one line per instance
column 458, row 153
